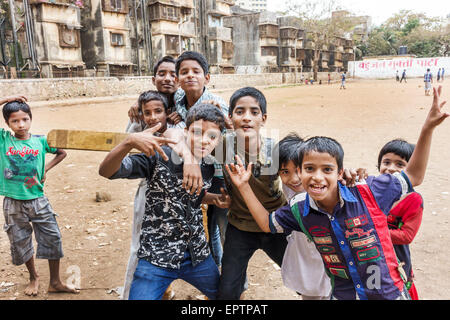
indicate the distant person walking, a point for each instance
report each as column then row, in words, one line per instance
column 438, row 75
column 442, row 74
column 428, row 79
column 403, row 76
column 329, row 78
column 397, row 77
column 343, row 76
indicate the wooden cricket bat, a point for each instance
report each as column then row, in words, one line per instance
column 97, row 141
column 85, row 140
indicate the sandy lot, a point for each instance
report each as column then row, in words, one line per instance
column 363, row 117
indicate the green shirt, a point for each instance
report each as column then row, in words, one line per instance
column 22, row 165
column 265, row 183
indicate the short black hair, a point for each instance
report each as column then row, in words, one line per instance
column 206, row 112
column 15, row 106
column 169, row 59
column 400, row 147
column 152, row 95
column 288, row 149
column 192, row 55
column 322, row 145
column 248, row 91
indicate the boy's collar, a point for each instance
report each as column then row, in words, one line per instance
column 344, row 195
column 261, row 155
column 184, row 99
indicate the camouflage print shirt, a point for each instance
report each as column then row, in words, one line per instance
column 173, row 221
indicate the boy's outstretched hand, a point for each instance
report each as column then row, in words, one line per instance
column 436, row 116
column 238, row 174
column 222, row 201
column 147, row 143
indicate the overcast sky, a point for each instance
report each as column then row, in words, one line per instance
column 380, row 10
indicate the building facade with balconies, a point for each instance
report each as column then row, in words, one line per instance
column 105, row 37
column 172, row 27
column 49, row 40
column 219, row 45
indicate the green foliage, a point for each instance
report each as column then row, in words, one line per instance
column 424, row 36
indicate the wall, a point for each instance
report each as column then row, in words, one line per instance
column 245, row 35
column 379, row 69
column 71, row 88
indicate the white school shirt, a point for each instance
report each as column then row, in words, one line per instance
column 302, row 269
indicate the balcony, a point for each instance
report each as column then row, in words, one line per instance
column 162, row 11
column 219, row 9
column 187, row 29
column 288, row 33
column 268, row 31
column 78, row 3
column 219, row 33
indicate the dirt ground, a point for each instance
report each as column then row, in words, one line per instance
column 363, row 117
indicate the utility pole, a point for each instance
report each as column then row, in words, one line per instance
column 14, row 31
column 203, row 18
column 29, row 29
column 147, row 35
column 137, row 37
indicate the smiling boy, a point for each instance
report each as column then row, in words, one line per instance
column 164, row 81
column 172, row 239
column 347, row 225
column 248, row 112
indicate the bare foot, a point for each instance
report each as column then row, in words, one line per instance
column 33, row 288
column 60, row 287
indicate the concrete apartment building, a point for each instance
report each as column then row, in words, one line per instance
column 218, row 45
column 126, row 37
column 291, row 40
column 105, row 37
column 280, row 44
column 170, row 27
column 48, row 37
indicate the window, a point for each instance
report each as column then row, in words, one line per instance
column 117, row 39
column 172, row 44
column 116, row 4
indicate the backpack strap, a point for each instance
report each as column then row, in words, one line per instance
column 296, row 212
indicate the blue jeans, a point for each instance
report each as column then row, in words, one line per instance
column 238, row 249
column 217, row 225
column 150, row 281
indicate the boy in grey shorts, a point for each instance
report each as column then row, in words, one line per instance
column 23, row 170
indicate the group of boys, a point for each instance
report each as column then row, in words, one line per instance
column 344, row 239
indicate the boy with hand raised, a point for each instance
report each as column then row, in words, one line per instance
column 348, row 225
column 172, row 241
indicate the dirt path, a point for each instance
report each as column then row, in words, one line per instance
column 96, row 235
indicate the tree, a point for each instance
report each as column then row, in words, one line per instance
column 424, row 36
column 321, row 29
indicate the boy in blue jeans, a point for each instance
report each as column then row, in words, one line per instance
column 192, row 76
column 22, row 163
column 172, row 241
column 348, row 225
